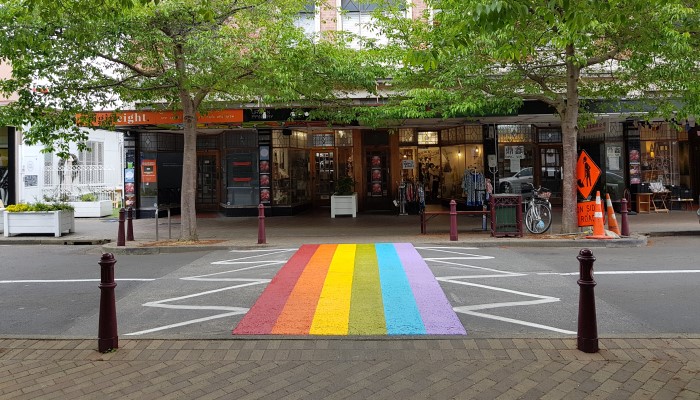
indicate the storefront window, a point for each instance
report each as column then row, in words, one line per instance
column 290, row 169
column 427, row 138
column 659, row 154
column 243, row 164
column 516, row 163
column 4, row 166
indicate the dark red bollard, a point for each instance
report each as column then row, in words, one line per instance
column 587, row 339
column 107, row 338
column 130, row 224
column 120, row 233
column 624, row 224
column 261, row 224
column 453, row 220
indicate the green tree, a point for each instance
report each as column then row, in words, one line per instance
column 485, row 56
column 71, row 58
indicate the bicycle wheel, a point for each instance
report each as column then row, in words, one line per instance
column 538, row 218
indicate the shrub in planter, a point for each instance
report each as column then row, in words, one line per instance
column 54, row 218
column 345, row 186
column 88, row 197
column 24, row 207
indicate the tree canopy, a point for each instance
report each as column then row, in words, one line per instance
column 73, row 58
column 470, row 57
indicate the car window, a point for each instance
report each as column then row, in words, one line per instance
column 526, row 172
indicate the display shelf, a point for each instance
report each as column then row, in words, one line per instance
column 643, row 203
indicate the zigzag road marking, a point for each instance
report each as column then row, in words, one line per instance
column 230, row 311
column 470, row 309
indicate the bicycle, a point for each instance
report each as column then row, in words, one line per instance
column 538, row 214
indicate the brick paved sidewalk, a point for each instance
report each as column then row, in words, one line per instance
column 352, row 368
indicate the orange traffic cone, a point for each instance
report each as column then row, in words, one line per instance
column 612, row 221
column 598, row 224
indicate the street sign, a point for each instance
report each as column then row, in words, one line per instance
column 587, row 174
column 586, row 213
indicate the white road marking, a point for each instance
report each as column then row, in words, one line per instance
column 519, row 322
column 76, row 280
column 453, row 261
column 216, row 277
column 669, row 271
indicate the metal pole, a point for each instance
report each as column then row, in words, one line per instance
column 170, row 230
column 624, row 228
column 107, row 338
column 120, row 232
column 453, row 220
column 156, row 224
column 130, row 224
column 261, row 224
column 587, row 339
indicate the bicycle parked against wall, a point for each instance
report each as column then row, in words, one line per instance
column 538, row 213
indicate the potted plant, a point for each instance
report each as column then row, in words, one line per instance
column 55, row 218
column 344, row 200
column 89, row 205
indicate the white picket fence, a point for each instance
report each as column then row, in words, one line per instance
column 69, row 183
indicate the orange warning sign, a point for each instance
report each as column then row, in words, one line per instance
column 587, row 174
column 586, row 213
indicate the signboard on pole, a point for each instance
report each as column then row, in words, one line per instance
column 587, row 174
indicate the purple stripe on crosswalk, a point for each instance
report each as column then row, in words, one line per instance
column 435, row 310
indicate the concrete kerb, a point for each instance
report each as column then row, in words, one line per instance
column 144, row 248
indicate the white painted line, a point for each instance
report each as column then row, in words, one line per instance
column 496, row 289
column 249, row 282
column 202, row 277
column 234, row 310
column 518, row 322
column 238, row 260
column 498, row 271
column 506, row 304
column 194, row 321
column 670, row 271
column 75, row 280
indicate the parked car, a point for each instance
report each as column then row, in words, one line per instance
column 513, row 184
column 523, row 180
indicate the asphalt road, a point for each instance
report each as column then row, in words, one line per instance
column 53, row 290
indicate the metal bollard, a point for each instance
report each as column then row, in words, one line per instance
column 587, row 339
column 107, row 338
column 453, row 220
column 624, row 224
column 129, row 224
column 261, row 224
column 120, row 232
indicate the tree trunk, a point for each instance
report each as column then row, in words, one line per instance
column 569, row 220
column 188, row 222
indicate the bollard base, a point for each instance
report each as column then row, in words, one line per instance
column 106, row 345
column 587, row 345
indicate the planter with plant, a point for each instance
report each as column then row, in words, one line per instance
column 344, row 200
column 36, row 218
column 88, row 205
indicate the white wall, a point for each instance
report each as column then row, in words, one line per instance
column 30, row 174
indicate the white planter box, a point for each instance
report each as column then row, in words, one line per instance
column 56, row 222
column 344, row 205
column 98, row 209
column 2, row 219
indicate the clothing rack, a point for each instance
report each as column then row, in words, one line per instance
column 474, row 187
column 411, row 197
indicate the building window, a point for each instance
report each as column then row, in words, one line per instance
column 357, row 19
column 306, row 20
column 407, row 136
column 323, row 140
column 427, row 137
column 343, row 137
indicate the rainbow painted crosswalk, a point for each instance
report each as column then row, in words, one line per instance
column 352, row 289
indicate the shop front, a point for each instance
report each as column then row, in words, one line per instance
column 290, row 169
column 7, row 162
